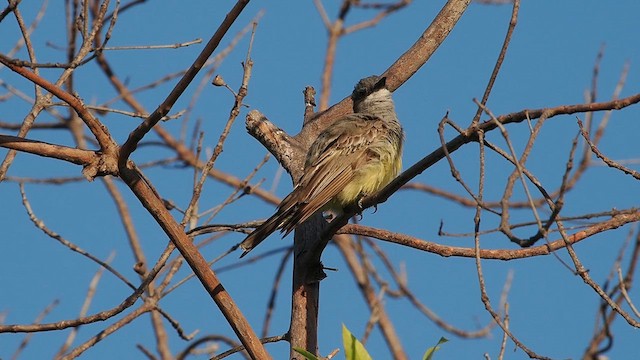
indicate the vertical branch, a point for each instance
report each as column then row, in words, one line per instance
column 496, row 68
column 484, row 297
column 308, row 244
column 335, row 30
column 73, row 122
column 305, row 296
column 40, row 100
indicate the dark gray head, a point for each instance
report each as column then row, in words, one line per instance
column 367, row 86
column 371, row 95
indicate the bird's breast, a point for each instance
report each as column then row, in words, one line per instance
column 383, row 163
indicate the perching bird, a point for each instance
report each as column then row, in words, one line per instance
column 354, row 157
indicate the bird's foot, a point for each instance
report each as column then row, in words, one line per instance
column 361, row 206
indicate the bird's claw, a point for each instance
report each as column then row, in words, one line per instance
column 360, row 206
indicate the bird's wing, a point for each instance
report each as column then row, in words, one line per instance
column 331, row 164
column 332, row 161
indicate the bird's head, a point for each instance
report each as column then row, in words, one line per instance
column 370, row 90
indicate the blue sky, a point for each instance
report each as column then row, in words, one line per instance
column 549, row 63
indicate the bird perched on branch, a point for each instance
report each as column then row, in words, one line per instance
column 355, row 156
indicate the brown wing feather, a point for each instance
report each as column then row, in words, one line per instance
column 330, row 166
column 325, row 188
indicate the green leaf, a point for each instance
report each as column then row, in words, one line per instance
column 353, row 349
column 428, row 355
column 305, row 353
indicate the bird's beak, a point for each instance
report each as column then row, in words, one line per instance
column 381, row 84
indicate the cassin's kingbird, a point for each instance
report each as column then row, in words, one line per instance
column 354, row 157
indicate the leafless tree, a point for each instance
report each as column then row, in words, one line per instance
column 57, row 106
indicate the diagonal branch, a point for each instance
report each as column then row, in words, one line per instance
column 400, row 71
column 150, row 199
column 100, row 131
column 163, row 109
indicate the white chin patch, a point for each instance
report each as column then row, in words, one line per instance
column 379, row 95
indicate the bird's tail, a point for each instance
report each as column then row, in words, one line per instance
column 262, row 232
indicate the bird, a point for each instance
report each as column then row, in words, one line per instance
column 357, row 155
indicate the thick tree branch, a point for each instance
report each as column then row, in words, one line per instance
column 400, row 71
column 155, row 206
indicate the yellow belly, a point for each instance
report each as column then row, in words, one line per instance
column 369, row 179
